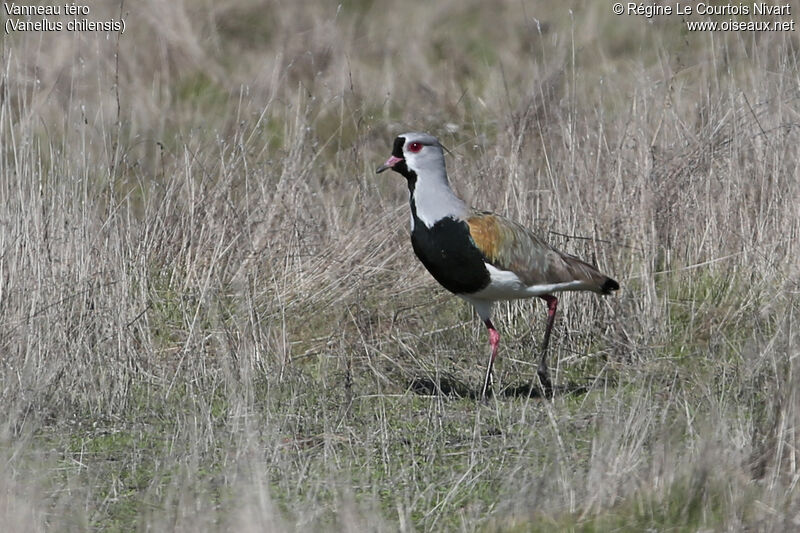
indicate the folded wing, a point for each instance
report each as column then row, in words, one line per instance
column 507, row 245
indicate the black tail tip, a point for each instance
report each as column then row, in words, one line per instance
column 609, row 286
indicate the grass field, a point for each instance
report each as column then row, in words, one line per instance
column 211, row 317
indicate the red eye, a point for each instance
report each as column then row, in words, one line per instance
column 415, row 147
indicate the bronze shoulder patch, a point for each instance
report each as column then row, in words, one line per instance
column 486, row 233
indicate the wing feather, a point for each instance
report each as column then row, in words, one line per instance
column 510, row 246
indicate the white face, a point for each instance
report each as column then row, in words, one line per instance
column 431, row 194
column 423, row 153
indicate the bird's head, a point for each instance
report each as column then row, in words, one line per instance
column 414, row 154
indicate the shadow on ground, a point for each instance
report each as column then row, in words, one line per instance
column 449, row 386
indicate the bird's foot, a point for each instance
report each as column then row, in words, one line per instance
column 486, row 393
column 545, row 384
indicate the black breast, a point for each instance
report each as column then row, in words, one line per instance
column 448, row 252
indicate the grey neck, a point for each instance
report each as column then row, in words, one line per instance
column 434, row 200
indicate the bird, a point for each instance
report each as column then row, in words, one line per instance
column 480, row 256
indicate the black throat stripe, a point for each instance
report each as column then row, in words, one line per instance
column 400, row 167
column 397, row 149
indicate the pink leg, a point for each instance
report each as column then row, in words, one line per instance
column 494, row 342
column 542, row 371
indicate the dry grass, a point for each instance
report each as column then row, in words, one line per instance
column 211, row 317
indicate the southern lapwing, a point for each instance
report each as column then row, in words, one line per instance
column 480, row 256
